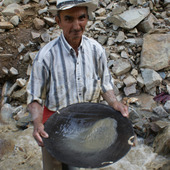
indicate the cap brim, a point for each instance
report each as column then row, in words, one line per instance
column 78, row 138
column 91, row 7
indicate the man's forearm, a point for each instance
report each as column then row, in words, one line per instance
column 36, row 111
column 110, row 97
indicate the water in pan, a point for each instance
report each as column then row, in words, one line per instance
column 90, row 139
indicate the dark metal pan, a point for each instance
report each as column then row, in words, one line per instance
column 88, row 135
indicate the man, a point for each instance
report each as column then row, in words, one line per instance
column 70, row 69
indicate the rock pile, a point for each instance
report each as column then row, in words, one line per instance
column 136, row 36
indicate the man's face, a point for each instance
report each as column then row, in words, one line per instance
column 72, row 22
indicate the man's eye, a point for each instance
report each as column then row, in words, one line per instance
column 82, row 17
column 69, row 19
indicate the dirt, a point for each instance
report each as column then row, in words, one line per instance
column 11, row 41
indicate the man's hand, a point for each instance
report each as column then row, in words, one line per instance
column 112, row 101
column 38, row 133
column 121, row 108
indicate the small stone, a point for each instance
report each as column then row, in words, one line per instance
column 100, row 12
column 44, row 10
column 5, row 70
column 21, row 82
column 124, row 54
column 6, row 25
column 38, row 23
column 102, row 39
column 50, row 21
column 129, row 81
column 120, row 37
column 45, row 37
column 160, row 111
column 130, row 90
column 35, row 35
column 15, row 20
column 21, row 48
column 13, row 71
column 29, row 69
column 167, row 106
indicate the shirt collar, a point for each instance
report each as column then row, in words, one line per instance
column 67, row 45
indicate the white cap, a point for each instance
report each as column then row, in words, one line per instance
column 67, row 4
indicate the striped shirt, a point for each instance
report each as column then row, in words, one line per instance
column 59, row 77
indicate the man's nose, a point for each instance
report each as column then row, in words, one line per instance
column 76, row 25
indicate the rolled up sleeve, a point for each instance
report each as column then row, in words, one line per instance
column 36, row 88
column 107, row 81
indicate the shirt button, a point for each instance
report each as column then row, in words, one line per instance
column 79, row 94
column 78, row 79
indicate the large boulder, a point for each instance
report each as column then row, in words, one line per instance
column 155, row 51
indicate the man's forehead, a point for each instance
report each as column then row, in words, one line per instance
column 74, row 10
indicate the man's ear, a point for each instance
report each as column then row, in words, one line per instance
column 57, row 19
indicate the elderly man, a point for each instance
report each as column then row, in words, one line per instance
column 70, row 69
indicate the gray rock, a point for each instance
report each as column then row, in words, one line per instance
column 140, row 81
column 120, row 67
column 161, row 142
column 120, row 37
column 124, row 54
column 21, row 48
column 13, row 71
column 44, row 10
column 38, row 23
column 4, row 92
column 101, row 11
column 15, row 20
column 24, row 121
column 155, row 51
column 129, row 81
column 166, row 2
column 160, row 111
column 130, row 18
column 6, row 112
column 114, row 56
column 137, row 2
column 147, row 24
column 52, row 10
column 134, row 116
column 134, row 41
column 20, row 95
column 50, row 21
column 110, row 41
column 35, row 35
column 29, row 69
column 102, row 39
column 151, row 78
column 134, row 73
column 130, row 90
column 167, row 106
column 168, row 88
column 45, row 37
column 118, row 10
column 6, row 25
column 5, row 70
column 21, row 82
column 12, row 9
column 7, row 2
column 33, row 55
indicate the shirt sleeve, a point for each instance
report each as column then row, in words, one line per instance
column 36, row 88
column 107, row 81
